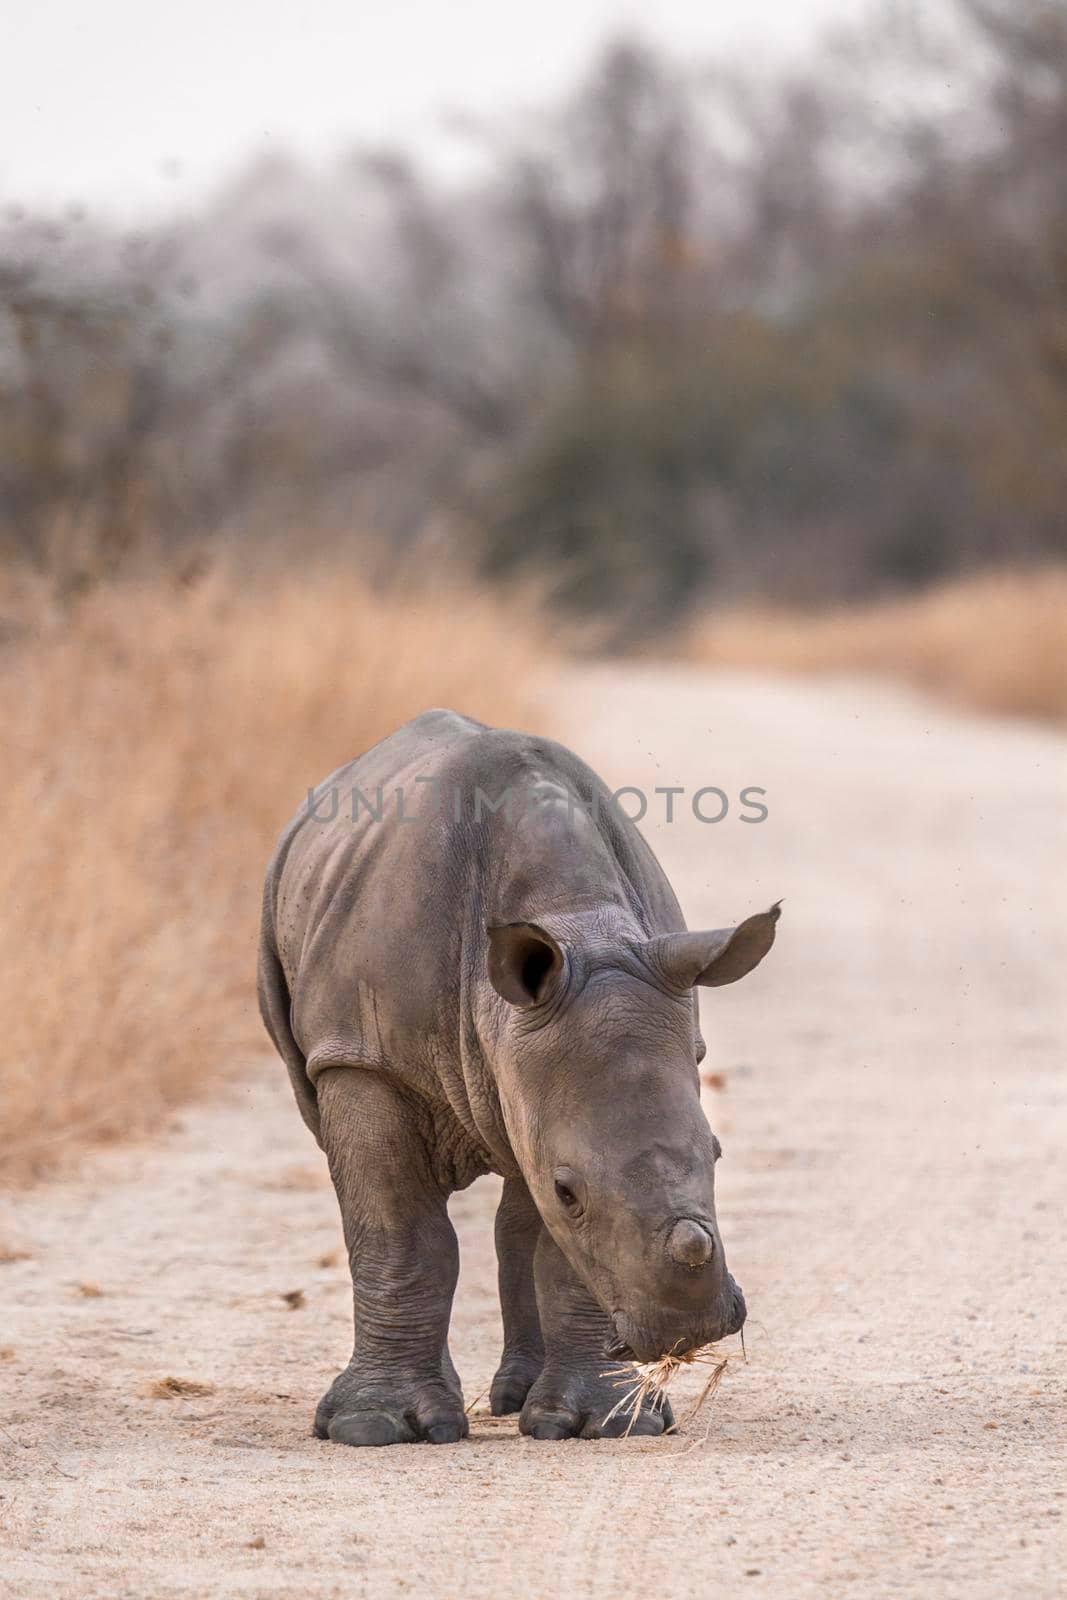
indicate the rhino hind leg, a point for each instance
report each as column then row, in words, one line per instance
column 518, row 1228
column 400, row 1385
column 580, row 1385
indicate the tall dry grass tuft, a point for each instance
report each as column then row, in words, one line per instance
column 997, row 642
column 155, row 740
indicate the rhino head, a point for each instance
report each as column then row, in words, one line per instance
column 596, row 1068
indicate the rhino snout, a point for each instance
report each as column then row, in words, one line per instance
column 690, row 1244
column 655, row 1330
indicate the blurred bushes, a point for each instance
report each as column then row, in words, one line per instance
column 692, row 334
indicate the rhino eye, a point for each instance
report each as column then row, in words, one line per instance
column 570, row 1190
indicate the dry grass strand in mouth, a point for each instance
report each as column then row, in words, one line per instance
column 649, row 1381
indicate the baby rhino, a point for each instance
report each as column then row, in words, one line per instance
column 472, row 962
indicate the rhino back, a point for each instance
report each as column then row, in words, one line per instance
column 379, row 922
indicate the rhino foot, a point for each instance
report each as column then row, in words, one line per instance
column 362, row 1410
column 575, row 1405
column 514, row 1379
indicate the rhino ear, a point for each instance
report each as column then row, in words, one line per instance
column 711, row 959
column 524, row 962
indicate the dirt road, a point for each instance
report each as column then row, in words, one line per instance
column 894, row 1115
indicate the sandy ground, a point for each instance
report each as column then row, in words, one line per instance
column 893, row 1114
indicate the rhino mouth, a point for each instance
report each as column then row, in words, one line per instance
column 619, row 1350
column 634, row 1343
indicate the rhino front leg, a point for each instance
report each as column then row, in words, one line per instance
column 400, row 1385
column 518, row 1228
column 580, row 1385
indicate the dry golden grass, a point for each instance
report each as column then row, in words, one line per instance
column 996, row 642
column 156, row 738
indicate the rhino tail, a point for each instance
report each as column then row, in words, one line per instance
column 275, row 1007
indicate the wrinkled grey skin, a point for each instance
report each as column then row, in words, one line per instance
column 509, row 995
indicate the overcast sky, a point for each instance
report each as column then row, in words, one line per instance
column 133, row 106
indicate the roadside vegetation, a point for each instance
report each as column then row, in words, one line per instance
column 157, row 735
column 699, row 334
column 763, row 367
column 995, row 642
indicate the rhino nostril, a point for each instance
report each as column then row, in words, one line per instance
column 690, row 1244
